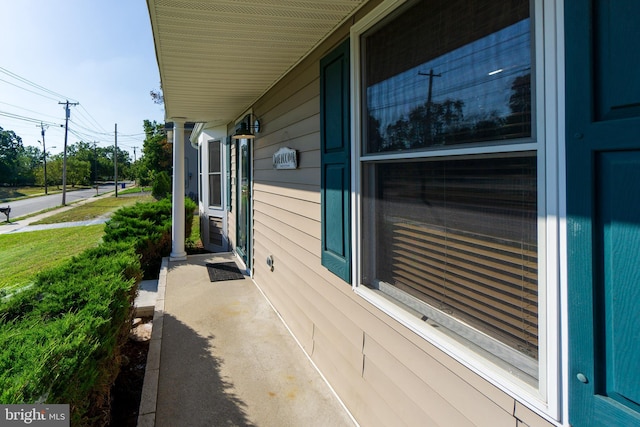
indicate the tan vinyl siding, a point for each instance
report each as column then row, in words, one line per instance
column 354, row 391
column 527, row 417
column 309, row 291
column 384, row 373
column 412, row 400
column 303, row 208
column 293, row 191
column 433, row 386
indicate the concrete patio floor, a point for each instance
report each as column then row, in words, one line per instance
column 221, row 356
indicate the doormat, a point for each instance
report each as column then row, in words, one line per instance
column 224, row 271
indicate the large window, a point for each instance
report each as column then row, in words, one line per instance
column 452, row 177
column 456, row 240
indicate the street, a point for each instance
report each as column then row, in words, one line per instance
column 36, row 204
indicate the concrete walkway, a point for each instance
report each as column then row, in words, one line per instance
column 221, row 356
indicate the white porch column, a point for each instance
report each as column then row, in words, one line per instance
column 177, row 212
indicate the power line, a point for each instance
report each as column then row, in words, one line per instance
column 81, row 136
column 41, row 88
column 32, row 84
column 81, row 118
column 86, row 137
column 25, row 118
column 35, row 93
column 91, row 130
column 26, row 109
column 134, row 134
column 94, row 120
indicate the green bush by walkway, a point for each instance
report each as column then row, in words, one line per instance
column 60, row 338
column 148, row 227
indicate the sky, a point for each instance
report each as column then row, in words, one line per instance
column 97, row 53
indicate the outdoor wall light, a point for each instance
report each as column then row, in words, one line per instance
column 246, row 130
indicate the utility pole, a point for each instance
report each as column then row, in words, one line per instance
column 135, row 178
column 115, row 159
column 64, row 157
column 44, row 156
column 431, row 75
column 95, row 165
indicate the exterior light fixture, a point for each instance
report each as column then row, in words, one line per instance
column 246, row 130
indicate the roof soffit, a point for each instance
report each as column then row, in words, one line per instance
column 218, row 57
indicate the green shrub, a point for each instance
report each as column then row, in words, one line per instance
column 147, row 226
column 189, row 210
column 60, row 339
column 161, row 185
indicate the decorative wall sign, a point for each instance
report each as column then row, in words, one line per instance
column 285, row 158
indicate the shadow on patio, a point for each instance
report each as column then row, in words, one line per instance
column 221, row 356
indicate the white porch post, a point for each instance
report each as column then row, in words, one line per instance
column 177, row 213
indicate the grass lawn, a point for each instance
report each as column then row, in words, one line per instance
column 12, row 193
column 22, row 255
column 134, row 190
column 94, row 209
column 193, row 243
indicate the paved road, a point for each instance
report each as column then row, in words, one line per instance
column 36, row 204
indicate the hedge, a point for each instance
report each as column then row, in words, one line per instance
column 60, row 339
column 148, row 227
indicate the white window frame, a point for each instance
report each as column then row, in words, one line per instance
column 220, row 173
column 548, row 134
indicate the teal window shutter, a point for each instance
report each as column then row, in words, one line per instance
column 335, row 146
column 603, row 211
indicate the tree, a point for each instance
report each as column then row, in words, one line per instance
column 161, row 185
column 157, row 96
column 54, row 171
column 78, row 171
column 80, row 155
column 156, row 152
column 10, row 149
column 100, row 160
column 103, row 163
column 124, row 164
column 29, row 159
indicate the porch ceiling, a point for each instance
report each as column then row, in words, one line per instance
column 216, row 57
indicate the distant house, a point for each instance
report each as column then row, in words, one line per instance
column 441, row 199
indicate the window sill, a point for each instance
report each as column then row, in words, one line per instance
column 471, row 356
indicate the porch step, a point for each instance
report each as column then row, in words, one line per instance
column 146, row 299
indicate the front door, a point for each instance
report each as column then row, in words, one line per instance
column 243, row 212
column 603, row 210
